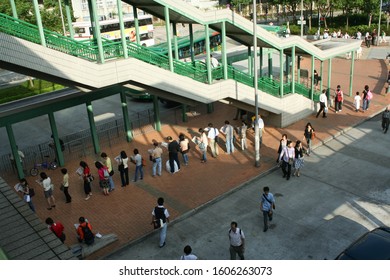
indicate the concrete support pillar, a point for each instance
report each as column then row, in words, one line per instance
column 96, row 29
column 312, row 78
column 13, row 8
column 14, row 149
column 299, row 69
column 69, row 18
column 351, row 72
column 329, row 78
column 293, row 57
column 270, row 74
column 156, row 109
column 224, row 54
column 125, row 113
column 281, row 78
column 184, row 112
column 169, row 41
column 92, row 127
column 39, row 23
column 136, row 25
column 208, row 61
column 57, row 144
column 261, row 62
column 122, row 28
column 321, row 74
column 250, row 68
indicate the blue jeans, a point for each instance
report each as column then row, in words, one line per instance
column 111, row 183
column 163, row 234
column 204, row 154
column 229, row 146
column 185, row 158
column 138, row 169
column 157, row 167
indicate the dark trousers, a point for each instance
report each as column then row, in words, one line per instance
column 286, row 168
column 87, row 187
column 125, row 177
column 385, row 125
column 266, row 218
column 172, row 158
column 67, row 195
column 338, row 105
column 322, row 109
column 234, row 250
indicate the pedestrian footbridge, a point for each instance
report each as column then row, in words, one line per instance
column 86, row 66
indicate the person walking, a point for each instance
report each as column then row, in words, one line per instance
column 48, row 190
column 338, row 99
column 28, row 193
column 356, row 101
column 103, row 177
column 267, row 205
column 188, row 254
column 123, row 168
column 173, row 150
column 160, row 218
column 57, row 228
column 65, row 185
column 299, row 158
column 203, row 142
column 260, row 123
column 385, row 119
column 282, row 145
column 228, row 131
column 87, row 179
column 323, row 104
column 367, row 96
column 287, row 156
column 107, row 162
column 212, row 135
column 157, row 160
column 242, row 132
column 309, row 135
column 137, row 159
column 184, row 147
column 237, row 241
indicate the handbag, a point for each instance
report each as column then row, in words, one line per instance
column 121, row 167
column 326, row 110
column 202, row 146
column 62, row 187
column 313, row 135
column 90, row 178
column 290, row 161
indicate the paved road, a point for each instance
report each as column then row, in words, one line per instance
column 343, row 192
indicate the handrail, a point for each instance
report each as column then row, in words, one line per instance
column 111, row 50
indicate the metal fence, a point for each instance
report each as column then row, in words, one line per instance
column 79, row 144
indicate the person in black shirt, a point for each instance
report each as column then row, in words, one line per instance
column 173, row 150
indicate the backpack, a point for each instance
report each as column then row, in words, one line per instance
column 89, row 237
column 339, row 96
column 159, row 214
column 369, row 95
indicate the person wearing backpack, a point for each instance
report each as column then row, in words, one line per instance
column 339, row 98
column 367, row 96
column 237, row 241
column 160, row 219
column 84, row 232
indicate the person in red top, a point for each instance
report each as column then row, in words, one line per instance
column 84, row 232
column 103, row 177
column 57, row 228
column 87, row 179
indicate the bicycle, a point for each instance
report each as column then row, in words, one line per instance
column 43, row 165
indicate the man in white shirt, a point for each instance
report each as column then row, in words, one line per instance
column 323, row 104
column 237, row 241
column 214, row 62
column 213, row 139
column 260, row 123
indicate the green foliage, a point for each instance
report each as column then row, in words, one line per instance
column 24, row 90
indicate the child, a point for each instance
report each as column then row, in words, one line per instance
column 357, row 101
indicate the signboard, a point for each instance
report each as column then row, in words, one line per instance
column 303, row 22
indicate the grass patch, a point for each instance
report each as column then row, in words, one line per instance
column 27, row 89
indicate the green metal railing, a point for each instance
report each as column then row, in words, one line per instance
column 88, row 50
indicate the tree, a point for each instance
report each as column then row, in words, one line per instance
column 50, row 13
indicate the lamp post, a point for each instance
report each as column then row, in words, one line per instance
column 301, row 18
column 257, row 136
column 62, row 17
column 379, row 24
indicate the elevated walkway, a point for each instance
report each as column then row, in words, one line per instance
column 72, row 63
